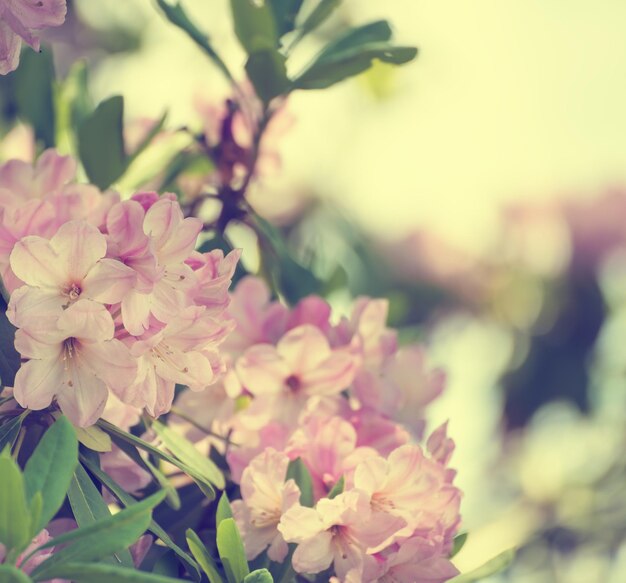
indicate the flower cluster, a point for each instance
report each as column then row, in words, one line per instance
column 108, row 296
column 22, row 20
column 348, row 402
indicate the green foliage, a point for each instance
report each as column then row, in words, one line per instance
column 337, row 488
column 10, row 429
column 101, row 573
column 15, row 514
column 101, row 143
column 491, row 567
column 224, row 509
column 199, row 551
column 268, row 72
column 285, row 13
column 231, row 551
column 259, row 576
column 254, row 25
column 11, row 574
column 50, row 468
column 298, row 472
column 458, row 543
column 319, row 15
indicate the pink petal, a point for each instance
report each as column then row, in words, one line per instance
column 54, row 171
column 314, row 555
column 79, row 246
column 35, row 262
column 108, row 281
column 261, row 370
column 83, row 397
column 303, row 348
column 40, row 14
column 300, row 523
column 10, row 45
column 111, row 362
column 87, row 320
column 37, row 382
column 331, row 376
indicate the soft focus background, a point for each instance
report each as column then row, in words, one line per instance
column 482, row 189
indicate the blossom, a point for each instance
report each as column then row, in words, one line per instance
column 266, row 496
column 38, row 557
column 21, row 20
column 75, row 361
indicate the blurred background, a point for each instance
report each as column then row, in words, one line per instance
column 482, row 189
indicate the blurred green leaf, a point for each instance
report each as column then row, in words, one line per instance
column 299, row 473
column 254, row 25
column 199, row 551
column 458, row 543
column 100, row 539
column 491, row 567
column 10, row 429
column 9, row 357
column 224, row 509
column 94, row 438
column 285, row 13
column 50, row 468
column 15, row 519
column 34, row 95
column 267, row 72
column 89, row 507
column 98, row 573
column 101, row 143
column 127, row 500
column 319, row 14
column 351, row 54
column 337, row 488
column 231, row 551
column 259, row 576
column 11, row 574
column 186, row 452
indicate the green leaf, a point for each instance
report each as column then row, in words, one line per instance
column 254, row 25
column 285, row 13
column 231, row 551
column 321, row 12
column 15, row 517
column 127, row 500
column 199, row 551
column 11, row 574
column 224, row 509
column 458, row 543
column 119, row 437
column 259, row 576
column 34, row 81
column 10, row 429
column 99, row 573
column 491, row 567
column 101, row 143
column 94, row 438
column 89, row 507
column 186, row 452
column 353, row 53
column 100, row 539
column 337, row 488
column 268, row 73
column 50, row 468
column 9, row 357
column 299, row 473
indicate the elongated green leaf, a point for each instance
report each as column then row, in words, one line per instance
column 199, row 551
column 14, row 510
column 268, row 73
column 185, row 451
column 458, row 543
column 259, row 576
column 11, row 574
column 94, row 438
column 254, row 25
column 98, row 573
column 100, row 539
column 372, row 32
column 50, row 468
column 337, row 488
column 223, row 509
column 10, row 429
column 89, row 507
column 491, row 567
column 231, row 551
column 285, row 13
column 319, row 14
column 101, row 143
column 127, row 500
column 9, row 357
column 298, row 472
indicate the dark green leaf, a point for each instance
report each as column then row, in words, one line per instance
column 33, row 84
column 337, row 488
column 299, row 473
column 231, row 551
column 285, row 13
column 100, row 539
column 50, row 468
column 320, row 13
column 98, row 573
column 458, row 543
column 491, row 567
column 127, row 500
column 259, row 576
column 223, row 509
column 11, row 574
column 89, row 507
column 267, row 72
column 199, row 551
column 101, row 143
column 14, row 510
column 373, row 32
column 254, row 25
column 9, row 357
column 10, row 429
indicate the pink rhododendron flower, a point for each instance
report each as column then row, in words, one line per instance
column 266, row 496
column 77, row 362
column 39, row 557
column 22, row 20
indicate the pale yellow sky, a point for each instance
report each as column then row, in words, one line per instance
column 508, row 98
